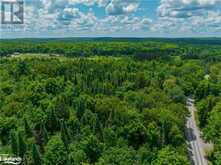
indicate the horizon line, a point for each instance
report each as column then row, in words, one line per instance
column 203, row 37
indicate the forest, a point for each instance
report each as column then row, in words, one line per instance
column 117, row 102
column 149, row 49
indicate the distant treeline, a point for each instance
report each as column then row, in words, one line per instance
column 138, row 48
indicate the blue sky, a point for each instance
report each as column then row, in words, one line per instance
column 117, row 18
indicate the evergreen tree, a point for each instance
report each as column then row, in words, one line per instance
column 22, row 68
column 52, row 123
column 14, row 143
column 42, row 136
column 28, row 130
column 36, row 156
column 21, row 145
column 55, row 152
column 64, row 134
column 75, row 80
column 44, row 133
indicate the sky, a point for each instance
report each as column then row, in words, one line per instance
column 117, row 18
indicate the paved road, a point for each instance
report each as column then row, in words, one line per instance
column 195, row 143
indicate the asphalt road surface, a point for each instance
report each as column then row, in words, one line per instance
column 194, row 141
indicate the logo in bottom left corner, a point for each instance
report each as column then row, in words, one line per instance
column 8, row 159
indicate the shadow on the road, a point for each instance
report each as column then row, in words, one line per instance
column 191, row 157
column 191, row 136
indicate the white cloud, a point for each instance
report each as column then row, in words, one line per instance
column 64, row 14
column 188, row 17
column 118, row 7
column 198, row 24
column 186, row 8
column 123, row 23
column 174, row 17
column 112, row 7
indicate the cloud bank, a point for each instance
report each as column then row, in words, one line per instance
column 69, row 17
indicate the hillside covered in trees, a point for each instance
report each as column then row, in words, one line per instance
column 106, row 102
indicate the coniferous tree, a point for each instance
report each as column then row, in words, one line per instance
column 75, row 80
column 64, row 134
column 14, row 143
column 53, row 123
column 44, row 133
column 36, row 156
column 21, row 145
column 28, row 130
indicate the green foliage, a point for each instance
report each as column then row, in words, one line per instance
column 209, row 108
column 118, row 156
column 43, row 134
column 167, row 156
column 22, row 148
column 28, row 130
column 217, row 153
column 177, row 94
column 65, row 134
column 76, row 155
column 52, row 121
column 55, row 152
column 89, row 118
column 92, row 147
column 7, row 124
column 204, row 107
column 127, row 108
column 14, row 143
column 36, row 156
column 213, row 129
column 21, row 69
column 97, row 110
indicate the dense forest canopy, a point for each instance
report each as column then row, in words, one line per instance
column 99, row 102
column 140, row 48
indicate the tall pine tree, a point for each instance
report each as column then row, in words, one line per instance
column 28, row 130
column 21, row 145
column 52, row 122
column 36, row 156
column 44, row 134
column 14, row 143
column 65, row 134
